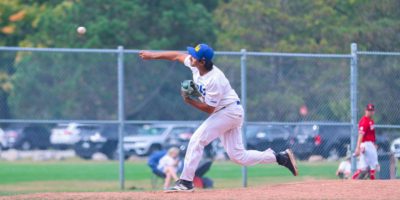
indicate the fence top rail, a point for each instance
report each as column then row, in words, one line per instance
column 301, row 123
column 284, row 54
column 70, row 50
column 252, row 53
column 238, row 53
column 378, row 53
column 25, row 121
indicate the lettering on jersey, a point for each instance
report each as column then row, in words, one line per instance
column 213, row 101
column 202, row 90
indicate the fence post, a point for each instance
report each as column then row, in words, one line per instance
column 121, row 116
column 243, row 102
column 353, row 99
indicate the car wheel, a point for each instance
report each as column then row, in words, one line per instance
column 115, row 155
column 305, row 156
column 26, row 145
column 85, row 157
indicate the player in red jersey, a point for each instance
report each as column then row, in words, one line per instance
column 366, row 148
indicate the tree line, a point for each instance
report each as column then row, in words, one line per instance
column 84, row 86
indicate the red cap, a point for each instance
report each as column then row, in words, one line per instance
column 370, row 107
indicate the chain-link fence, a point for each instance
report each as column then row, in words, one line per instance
column 308, row 102
column 378, row 83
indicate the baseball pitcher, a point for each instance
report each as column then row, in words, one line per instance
column 220, row 101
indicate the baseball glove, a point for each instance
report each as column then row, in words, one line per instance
column 191, row 89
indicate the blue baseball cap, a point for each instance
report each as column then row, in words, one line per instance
column 201, row 51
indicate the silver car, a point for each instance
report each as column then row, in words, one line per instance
column 152, row 138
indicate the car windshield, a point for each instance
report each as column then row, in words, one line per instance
column 88, row 130
column 180, row 132
column 251, row 131
column 271, row 131
column 131, row 129
column 150, row 131
column 307, row 130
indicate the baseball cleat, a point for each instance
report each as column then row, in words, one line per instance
column 181, row 186
column 286, row 159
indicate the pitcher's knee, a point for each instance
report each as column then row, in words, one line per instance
column 237, row 157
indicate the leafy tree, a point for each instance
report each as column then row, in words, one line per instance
column 137, row 24
column 16, row 22
column 309, row 26
column 84, row 86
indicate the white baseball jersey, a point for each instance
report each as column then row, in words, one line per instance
column 214, row 86
column 225, row 123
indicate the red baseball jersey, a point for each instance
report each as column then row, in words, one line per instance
column 366, row 126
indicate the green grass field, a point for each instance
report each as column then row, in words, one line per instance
column 78, row 175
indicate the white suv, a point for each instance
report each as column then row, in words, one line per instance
column 152, row 138
column 66, row 135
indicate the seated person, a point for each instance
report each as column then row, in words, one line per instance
column 203, row 168
column 344, row 169
column 168, row 164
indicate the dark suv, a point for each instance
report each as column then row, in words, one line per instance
column 262, row 137
column 327, row 140
column 334, row 142
column 179, row 137
column 27, row 136
column 100, row 138
column 324, row 140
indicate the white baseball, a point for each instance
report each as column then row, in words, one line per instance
column 81, row 30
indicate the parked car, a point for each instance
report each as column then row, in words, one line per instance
column 65, row 135
column 304, row 140
column 101, row 138
column 151, row 138
column 329, row 141
column 382, row 142
column 180, row 137
column 334, row 141
column 27, row 136
column 3, row 143
column 262, row 137
column 395, row 147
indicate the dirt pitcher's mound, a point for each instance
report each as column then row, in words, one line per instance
column 333, row 189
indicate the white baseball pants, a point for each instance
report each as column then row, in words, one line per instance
column 225, row 124
column 368, row 156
